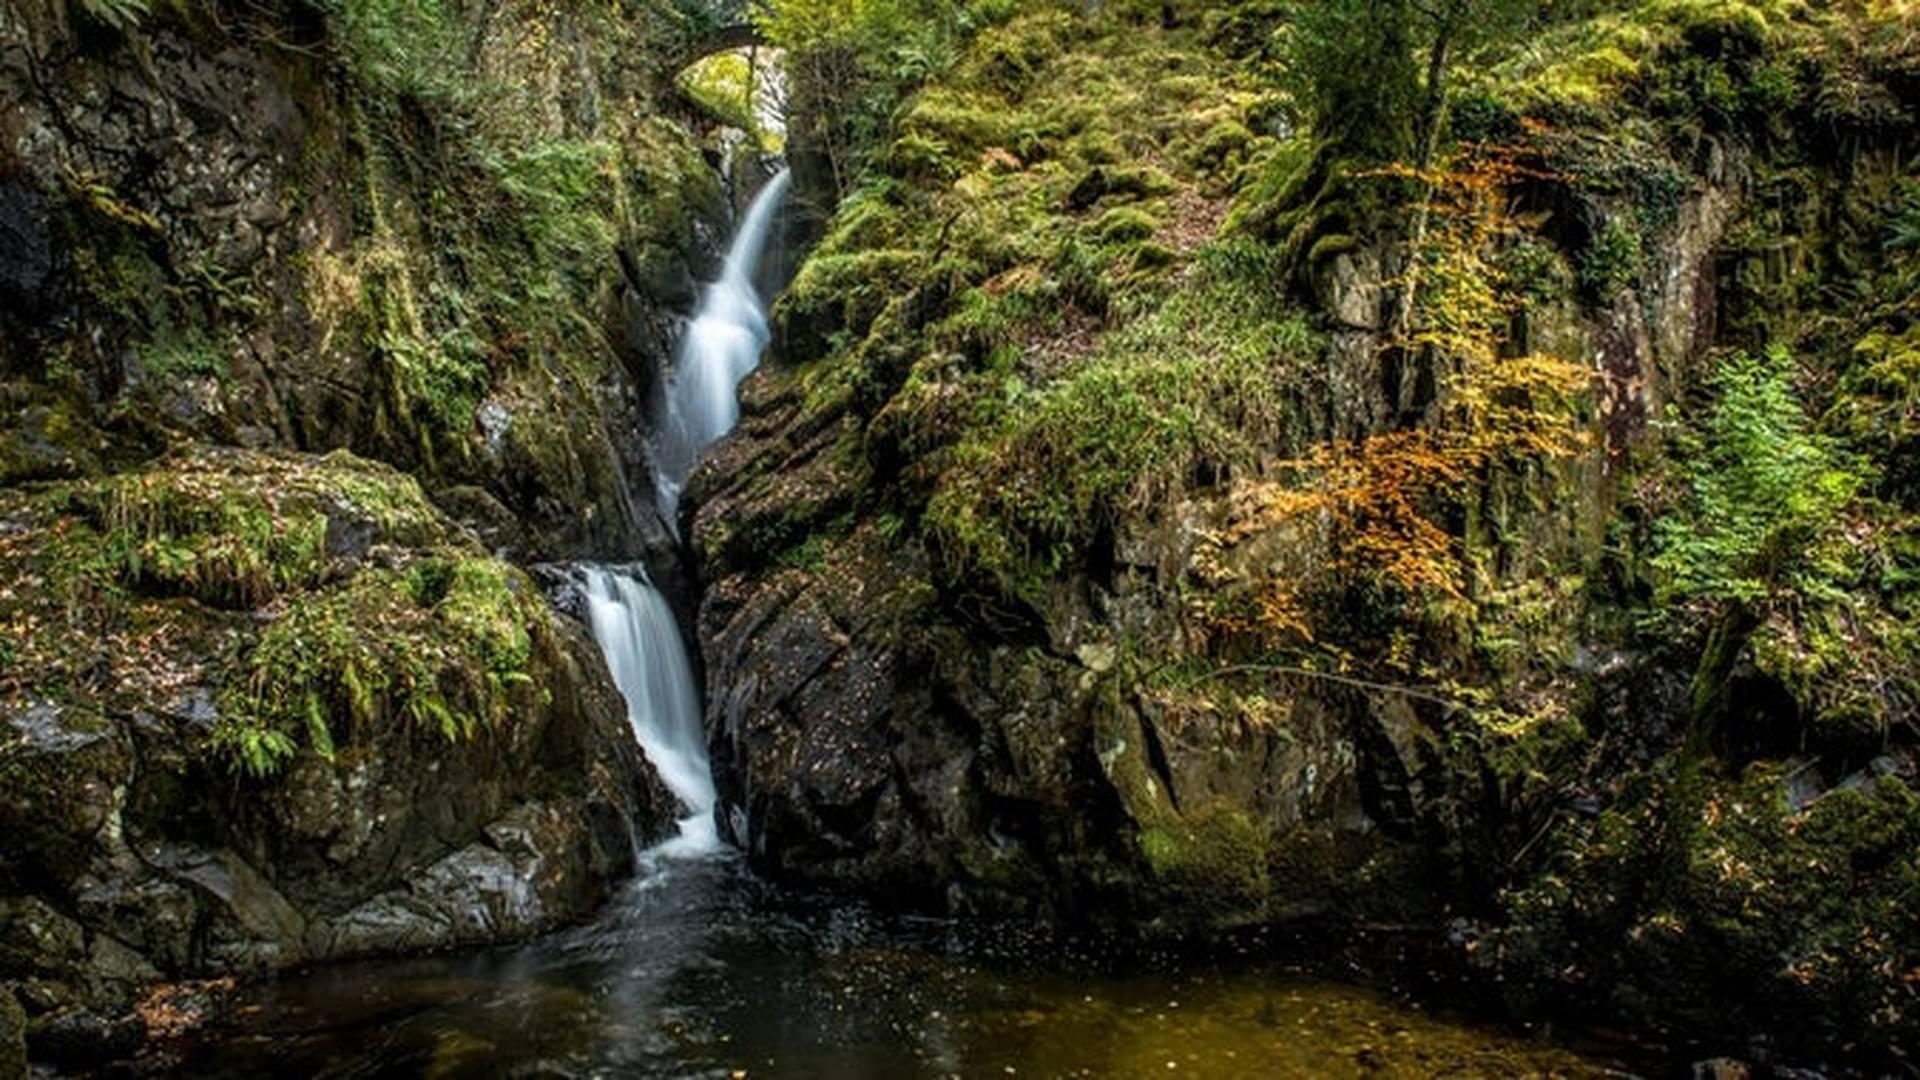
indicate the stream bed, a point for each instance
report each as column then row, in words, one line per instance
column 699, row 970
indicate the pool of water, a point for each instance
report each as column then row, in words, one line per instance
column 699, row 970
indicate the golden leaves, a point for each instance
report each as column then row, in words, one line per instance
column 1382, row 504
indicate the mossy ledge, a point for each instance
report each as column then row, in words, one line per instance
column 292, row 672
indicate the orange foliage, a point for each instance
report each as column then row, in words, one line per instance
column 170, row 1010
column 1378, row 500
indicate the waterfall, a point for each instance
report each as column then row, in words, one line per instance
column 721, row 346
column 637, row 632
column 630, row 619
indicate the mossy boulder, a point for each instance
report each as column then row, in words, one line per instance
column 249, row 702
column 1212, row 861
column 43, row 438
column 1771, row 901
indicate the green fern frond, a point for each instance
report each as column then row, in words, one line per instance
column 119, row 14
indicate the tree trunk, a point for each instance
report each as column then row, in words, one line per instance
column 1711, row 695
column 1427, row 143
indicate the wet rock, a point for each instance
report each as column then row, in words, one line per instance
column 82, row 1039
column 258, row 929
column 486, row 517
column 13, row 1037
column 870, row 740
column 516, row 883
column 61, row 785
column 30, row 265
column 133, row 851
column 38, row 942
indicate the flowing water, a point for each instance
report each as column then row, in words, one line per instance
column 637, row 633
column 700, row 971
column 722, row 345
column 697, row 969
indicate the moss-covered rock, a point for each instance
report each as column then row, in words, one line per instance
column 422, row 228
column 297, row 690
column 1765, row 902
column 1212, row 862
column 1079, row 379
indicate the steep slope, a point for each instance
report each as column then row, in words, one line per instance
column 316, row 319
column 422, row 234
column 1121, row 538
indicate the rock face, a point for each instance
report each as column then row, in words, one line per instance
column 486, row 795
column 1018, row 599
column 13, row 1038
column 311, row 326
column 878, row 742
column 288, row 229
column 886, row 729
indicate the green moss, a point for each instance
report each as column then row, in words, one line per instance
column 174, row 358
column 235, row 529
column 1009, row 55
column 1330, row 245
column 1125, row 224
column 1188, row 383
column 969, row 123
column 922, row 157
column 1214, row 860
column 1223, row 146
column 489, row 211
column 1612, row 261
column 445, row 647
column 1140, row 181
column 1709, row 894
column 44, row 438
column 724, row 87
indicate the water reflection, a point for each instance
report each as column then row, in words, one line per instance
column 700, row 971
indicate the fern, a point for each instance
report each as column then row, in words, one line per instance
column 1903, row 224
column 119, row 14
column 1765, row 491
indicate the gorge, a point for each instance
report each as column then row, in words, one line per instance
column 958, row 537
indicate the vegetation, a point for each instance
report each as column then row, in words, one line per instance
column 1517, row 403
column 1188, row 388
column 1341, row 355
column 150, row 577
column 443, row 647
column 119, row 14
column 733, row 88
column 850, row 61
column 1765, row 494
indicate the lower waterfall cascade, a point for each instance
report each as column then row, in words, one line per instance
column 636, row 630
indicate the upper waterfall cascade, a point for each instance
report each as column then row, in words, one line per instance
column 722, row 345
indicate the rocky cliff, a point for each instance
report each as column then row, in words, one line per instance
column 1114, row 540
column 318, row 319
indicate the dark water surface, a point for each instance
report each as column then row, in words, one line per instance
column 700, row 971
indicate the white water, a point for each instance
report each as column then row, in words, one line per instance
column 631, row 621
column 637, row 632
column 722, row 345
